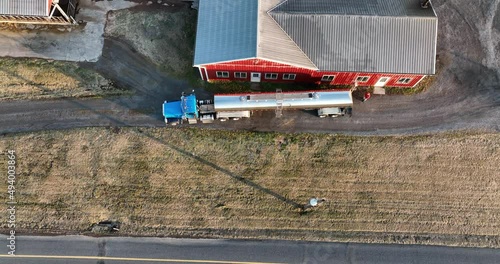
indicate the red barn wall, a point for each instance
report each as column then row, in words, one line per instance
column 302, row 75
column 50, row 5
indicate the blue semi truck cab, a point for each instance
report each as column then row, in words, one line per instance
column 189, row 109
column 186, row 109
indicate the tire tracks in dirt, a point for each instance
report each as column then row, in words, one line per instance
column 464, row 96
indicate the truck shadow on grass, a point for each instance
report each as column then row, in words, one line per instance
column 302, row 208
column 239, row 178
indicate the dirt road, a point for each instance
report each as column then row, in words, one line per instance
column 466, row 94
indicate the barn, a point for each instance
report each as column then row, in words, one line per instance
column 38, row 11
column 337, row 42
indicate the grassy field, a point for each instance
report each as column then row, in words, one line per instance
column 22, row 78
column 184, row 182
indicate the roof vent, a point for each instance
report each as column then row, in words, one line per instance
column 425, row 3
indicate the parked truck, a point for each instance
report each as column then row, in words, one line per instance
column 328, row 103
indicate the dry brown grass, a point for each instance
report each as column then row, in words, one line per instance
column 440, row 189
column 43, row 79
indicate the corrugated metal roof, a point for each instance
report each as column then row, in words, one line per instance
column 25, row 7
column 356, row 7
column 227, row 30
column 274, row 44
column 392, row 36
column 240, row 36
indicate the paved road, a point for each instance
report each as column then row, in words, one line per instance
column 79, row 249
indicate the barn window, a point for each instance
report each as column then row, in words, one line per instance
column 272, row 76
column 327, row 78
column 404, row 80
column 222, row 74
column 289, row 76
column 362, row 78
column 240, row 75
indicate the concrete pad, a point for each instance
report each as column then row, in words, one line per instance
column 378, row 90
column 71, row 43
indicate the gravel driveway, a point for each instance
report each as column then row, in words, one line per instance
column 465, row 95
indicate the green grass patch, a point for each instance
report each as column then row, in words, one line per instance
column 422, row 86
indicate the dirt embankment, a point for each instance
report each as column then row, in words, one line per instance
column 162, row 31
column 181, row 182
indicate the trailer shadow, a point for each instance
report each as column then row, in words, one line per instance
column 234, row 176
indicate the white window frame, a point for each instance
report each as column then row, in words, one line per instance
column 271, row 76
column 363, row 79
column 222, row 74
column 289, row 76
column 404, row 80
column 326, row 78
column 242, row 75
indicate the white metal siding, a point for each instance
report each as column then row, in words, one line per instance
column 25, row 7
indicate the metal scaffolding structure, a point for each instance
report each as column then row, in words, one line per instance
column 67, row 16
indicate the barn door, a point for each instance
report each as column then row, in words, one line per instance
column 382, row 81
column 255, row 77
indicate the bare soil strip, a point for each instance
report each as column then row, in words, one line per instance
column 441, row 189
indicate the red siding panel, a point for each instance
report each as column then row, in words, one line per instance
column 202, row 74
column 48, row 9
column 302, row 75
